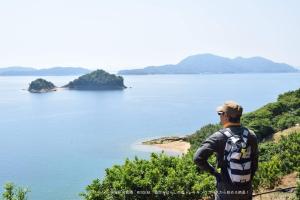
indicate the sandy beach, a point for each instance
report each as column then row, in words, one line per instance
column 176, row 144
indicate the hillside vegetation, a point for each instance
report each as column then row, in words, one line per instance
column 166, row 177
column 12, row 192
column 274, row 117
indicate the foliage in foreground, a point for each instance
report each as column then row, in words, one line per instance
column 282, row 158
column 162, row 173
column 11, row 192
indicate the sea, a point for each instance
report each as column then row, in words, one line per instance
column 56, row 143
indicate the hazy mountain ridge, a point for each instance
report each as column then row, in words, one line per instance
column 54, row 71
column 209, row 63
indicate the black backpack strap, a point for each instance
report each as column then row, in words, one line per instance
column 226, row 132
column 245, row 134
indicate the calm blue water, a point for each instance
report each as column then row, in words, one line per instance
column 57, row 143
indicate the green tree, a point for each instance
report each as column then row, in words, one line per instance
column 11, row 192
column 8, row 193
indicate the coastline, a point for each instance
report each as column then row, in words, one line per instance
column 180, row 145
column 171, row 143
column 56, row 89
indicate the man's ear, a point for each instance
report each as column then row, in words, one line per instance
column 226, row 117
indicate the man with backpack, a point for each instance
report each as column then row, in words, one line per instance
column 237, row 155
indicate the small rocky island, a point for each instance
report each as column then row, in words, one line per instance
column 97, row 80
column 41, row 86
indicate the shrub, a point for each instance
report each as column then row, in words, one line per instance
column 11, row 192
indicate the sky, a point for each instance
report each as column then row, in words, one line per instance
column 119, row 34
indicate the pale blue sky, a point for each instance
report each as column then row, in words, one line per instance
column 117, row 34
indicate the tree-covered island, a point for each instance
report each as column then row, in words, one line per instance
column 41, row 85
column 97, row 80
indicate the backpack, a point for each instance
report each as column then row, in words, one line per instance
column 237, row 156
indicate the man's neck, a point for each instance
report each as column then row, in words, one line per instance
column 228, row 124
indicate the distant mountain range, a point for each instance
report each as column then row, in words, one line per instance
column 55, row 71
column 212, row 64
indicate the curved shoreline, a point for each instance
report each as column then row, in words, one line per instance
column 56, row 89
column 171, row 143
